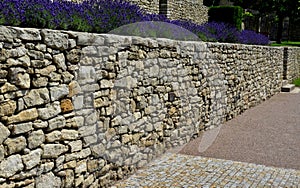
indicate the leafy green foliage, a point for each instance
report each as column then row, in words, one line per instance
column 297, row 82
column 281, row 8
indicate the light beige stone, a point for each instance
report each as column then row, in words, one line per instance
column 4, row 133
column 69, row 134
column 126, row 138
column 11, row 165
column 60, row 60
column 48, row 180
column 51, row 110
column 81, row 167
column 46, row 167
column 57, row 122
column 87, row 130
column 53, row 136
column 36, row 55
column 76, row 145
column 19, row 77
column 15, row 144
column 54, row 150
column 55, row 40
column 70, row 164
column 46, row 71
column 7, row 87
column 40, row 82
column 28, row 34
column 2, row 152
column 23, row 116
column 74, row 56
column 6, row 34
column 95, row 165
column 32, row 159
column 35, row 139
column 59, row 92
column 79, row 155
column 89, row 180
column 74, row 88
column 69, row 179
column 22, row 128
column 37, row 97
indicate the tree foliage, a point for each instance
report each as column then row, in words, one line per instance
column 284, row 7
column 281, row 8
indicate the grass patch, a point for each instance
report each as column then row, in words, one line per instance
column 297, row 82
column 288, row 43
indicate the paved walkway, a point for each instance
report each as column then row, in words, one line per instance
column 265, row 139
column 176, row 170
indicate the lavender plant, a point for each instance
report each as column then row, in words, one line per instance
column 251, row 37
column 90, row 15
column 102, row 16
column 219, row 32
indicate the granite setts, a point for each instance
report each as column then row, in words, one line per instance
column 80, row 109
column 176, row 170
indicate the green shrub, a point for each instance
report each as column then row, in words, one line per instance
column 228, row 14
column 297, row 82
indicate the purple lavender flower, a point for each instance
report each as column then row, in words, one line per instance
column 102, row 16
column 251, row 37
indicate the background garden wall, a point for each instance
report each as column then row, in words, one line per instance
column 193, row 10
column 79, row 109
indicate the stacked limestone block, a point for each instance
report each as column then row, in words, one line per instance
column 80, row 110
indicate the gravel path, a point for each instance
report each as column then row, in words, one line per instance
column 268, row 134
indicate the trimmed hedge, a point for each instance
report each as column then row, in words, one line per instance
column 228, row 14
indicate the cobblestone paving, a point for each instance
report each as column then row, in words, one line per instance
column 176, row 170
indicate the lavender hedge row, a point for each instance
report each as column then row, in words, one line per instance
column 102, row 16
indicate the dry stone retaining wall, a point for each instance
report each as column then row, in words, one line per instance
column 291, row 64
column 252, row 74
column 80, row 109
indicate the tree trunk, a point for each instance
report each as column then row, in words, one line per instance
column 279, row 29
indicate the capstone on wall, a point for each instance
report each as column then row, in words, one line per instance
column 85, row 110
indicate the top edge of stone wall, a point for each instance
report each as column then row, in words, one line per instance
column 216, row 44
column 9, row 33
